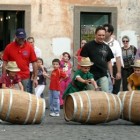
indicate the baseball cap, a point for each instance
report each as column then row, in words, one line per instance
column 20, row 33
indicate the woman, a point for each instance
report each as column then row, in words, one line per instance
column 128, row 55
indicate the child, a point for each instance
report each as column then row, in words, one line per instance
column 66, row 66
column 77, row 53
column 134, row 78
column 54, row 89
column 10, row 78
column 41, row 77
column 81, row 78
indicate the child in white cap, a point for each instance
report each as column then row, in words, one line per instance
column 81, row 78
column 134, row 78
column 10, row 78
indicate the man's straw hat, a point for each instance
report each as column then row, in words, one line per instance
column 136, row 64
column 85, row 61
column 12, row 66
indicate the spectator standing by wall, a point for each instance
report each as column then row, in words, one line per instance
column 23, row 53
column 128, row 55
column 66, row 67
column 38, row 54
column 117, row 60
column 41, row 77
column 77, row 53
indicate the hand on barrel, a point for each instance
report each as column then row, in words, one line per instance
column 88, row 81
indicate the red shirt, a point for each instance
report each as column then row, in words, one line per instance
column 5, row 79
column 56, row 76
column 22, row 55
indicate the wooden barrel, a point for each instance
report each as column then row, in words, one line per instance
column 92, row 107
column 20, row 107
column 130, row 105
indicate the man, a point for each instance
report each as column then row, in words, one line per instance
column 100, row 54
column 117, row 60
column 23, row 53
column 38, row 54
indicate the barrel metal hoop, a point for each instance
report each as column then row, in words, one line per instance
column 89, row 111
column 75, row 106
column 2, row 100
column 106, row 94
column 123, row 99
column 10, row 105
column 81, row 105
column 43, row 111
column 29, row 108
column 37, row 109
column 130, row 105
column 114, row 102
column 120, row 103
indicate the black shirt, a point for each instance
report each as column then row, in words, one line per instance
column 99, row 54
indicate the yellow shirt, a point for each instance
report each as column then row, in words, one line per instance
column 134, row 80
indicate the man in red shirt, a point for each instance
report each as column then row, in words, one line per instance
column 23, row 53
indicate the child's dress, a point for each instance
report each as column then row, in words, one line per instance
column 66, row 67
column 134, row 80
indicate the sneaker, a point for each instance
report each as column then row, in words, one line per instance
column 57, row 114
column 52, row 114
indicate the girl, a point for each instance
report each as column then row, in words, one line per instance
column 10, row 78
column 41, row 77
column 65, row 66
column 134, row 78
column 81, row 78
column 77, row 53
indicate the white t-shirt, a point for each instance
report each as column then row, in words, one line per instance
column 116, row 49
column 38, row 54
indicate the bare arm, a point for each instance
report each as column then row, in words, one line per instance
column 3, row 66
column 129, row 86
column 83, row 80
column 110, row 71
column 118, row 65
column 35, row 83
column 20, row 86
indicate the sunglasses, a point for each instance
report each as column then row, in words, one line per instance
column 125, row 41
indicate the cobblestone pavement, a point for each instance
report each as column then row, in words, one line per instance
column 57, row 129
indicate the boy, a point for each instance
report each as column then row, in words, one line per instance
column 54, row 89
column 134, row 78
column 81, row 78
column 10, row 78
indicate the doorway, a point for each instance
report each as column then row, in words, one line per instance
column 9, row 22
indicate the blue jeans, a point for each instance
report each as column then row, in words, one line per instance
column 25, row 83
column 110, row 84
column 30, row 86
column 54, row 101
column 103, row 83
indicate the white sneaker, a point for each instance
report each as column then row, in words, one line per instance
column 57, row 114
column 52, row 114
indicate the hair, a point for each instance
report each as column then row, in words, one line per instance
column 67, row 54
column 125, row 36
column 110, row 28
column 99, row 28
column 30, row 37
column 38, row 58
column 56, row 60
